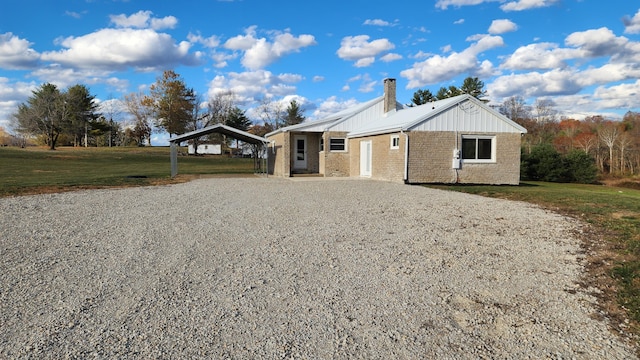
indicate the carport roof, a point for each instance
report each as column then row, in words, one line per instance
column 221, row 129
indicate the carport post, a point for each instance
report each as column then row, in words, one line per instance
column 174, row 159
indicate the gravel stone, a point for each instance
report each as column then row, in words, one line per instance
column 243, row 268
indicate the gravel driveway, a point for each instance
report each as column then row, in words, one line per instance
column 274, row 268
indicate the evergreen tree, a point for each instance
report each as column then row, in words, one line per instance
column 421, row 97
column 293, row 114
column 442, row 93
column 82, row 113
column 51, row 113
column 473, row 87
column 237, row 119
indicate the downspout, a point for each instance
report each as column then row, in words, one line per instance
column 406, row 156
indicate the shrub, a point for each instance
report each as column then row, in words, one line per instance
column 582, row 167
column 545, row 163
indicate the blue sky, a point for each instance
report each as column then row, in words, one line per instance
column 327, row 55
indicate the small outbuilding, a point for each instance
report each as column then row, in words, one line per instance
column 455, row 140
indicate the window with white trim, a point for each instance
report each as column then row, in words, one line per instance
column 477, row 148
column 337, row 144
column 395, row 141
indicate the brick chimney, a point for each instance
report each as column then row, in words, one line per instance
column 389, row 95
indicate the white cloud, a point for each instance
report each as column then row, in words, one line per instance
column 539, row 56
column 220, row 59
column 502, row 26
column 423, row 55
column 210, row 42
column 584, row 45
column 608, row 73
column 517, row 5
column 258, row 52
column 361, row 50
column 73, row 14
column 364, row 62
column 64, row 77
column 459, row 21
column 16, row 54
column 331, row 106
column 143, row 20
column 318, row 78
column 118, row 49
column 12, row 94
column 568, row 81
column 367, row 85
column 391, row 57
column 444, row 4
column 535, row 84
column 251, row 86
column 378, row 22
column 622, row 96
column 632, row 24
column 438, row 68
column 526, row 4
column 597, row 42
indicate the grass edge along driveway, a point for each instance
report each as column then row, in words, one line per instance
column 611, row 243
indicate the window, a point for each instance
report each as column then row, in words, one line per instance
column 478, row 148
column 337, row 144
column 321, row 144
column 395, row 141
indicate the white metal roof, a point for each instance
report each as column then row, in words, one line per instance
column 459, row 113
column 222, row 129
column 433, row 114
column 329, row 122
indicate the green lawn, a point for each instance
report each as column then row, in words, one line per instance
column 615, row 216
column 37, row 169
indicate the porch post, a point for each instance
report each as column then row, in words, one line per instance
column 174, row 159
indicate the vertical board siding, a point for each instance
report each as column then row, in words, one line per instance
column 365, row 117
column 469, row 117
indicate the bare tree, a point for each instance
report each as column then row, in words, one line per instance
column 142, row 114
column 515, row 108
column 545, row 110
column 219, row 108
column 199, row 119
column 272, row 113
column 112, row 111
column 586, row 141
column 608, row 135
column 624, row 142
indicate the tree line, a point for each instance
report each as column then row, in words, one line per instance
column 71, row 117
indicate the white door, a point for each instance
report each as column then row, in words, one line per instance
column 300, row 152
column 365, row 158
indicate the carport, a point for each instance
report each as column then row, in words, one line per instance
column 221, row 129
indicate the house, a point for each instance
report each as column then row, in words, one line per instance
column 455, row 140
column 213, row 149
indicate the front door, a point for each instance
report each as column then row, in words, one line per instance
column 365, row 158
column 300, row 152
